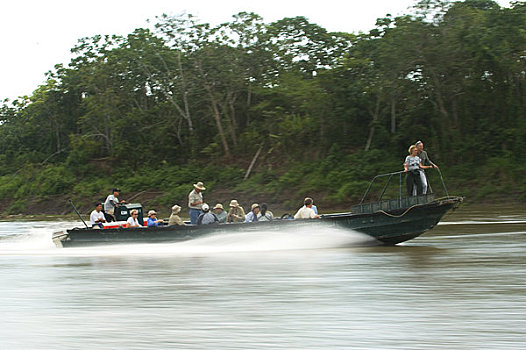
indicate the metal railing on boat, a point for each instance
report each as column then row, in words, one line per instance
column 396, row 203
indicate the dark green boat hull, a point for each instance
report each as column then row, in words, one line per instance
column 398, row 225
column 388, row 227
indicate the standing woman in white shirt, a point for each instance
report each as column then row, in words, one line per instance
column 412, row 167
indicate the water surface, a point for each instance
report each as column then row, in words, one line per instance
column 460, row 286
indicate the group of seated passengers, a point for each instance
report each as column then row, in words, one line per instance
column 97, row 218
column 257, row 213
column 152, row 220
column 235, row 214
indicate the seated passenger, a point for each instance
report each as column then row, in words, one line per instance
column 220, row 213
column 174, row 218
column 132, row 220
column 253, row 215
column 264, row 214
column 152, row 219
column 206, row 217
column 96, row 217
column 313, row 205
column 306, row 212
column 236, row 212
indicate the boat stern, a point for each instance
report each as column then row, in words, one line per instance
column 59, row 238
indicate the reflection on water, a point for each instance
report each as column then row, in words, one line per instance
column 460, row 286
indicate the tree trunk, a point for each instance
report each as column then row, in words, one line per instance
column 393, row 115
column 253, row 162
column 186, row 112
column 217, row 117
column 373, row 124
column 184, row 91
column 233, row 120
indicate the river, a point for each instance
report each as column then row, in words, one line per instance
column 460, row 286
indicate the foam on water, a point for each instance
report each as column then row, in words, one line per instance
column 258, row 241
column 37, row 241
column 28, row 237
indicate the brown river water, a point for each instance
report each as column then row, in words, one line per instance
column 460, row 286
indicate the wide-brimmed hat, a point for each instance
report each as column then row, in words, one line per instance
column 219, row 206
column 254, row 206
column 176, row 209
column 234, row 203
column 151, row 212
column 200, row 186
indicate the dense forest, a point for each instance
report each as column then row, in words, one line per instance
column 274, row 111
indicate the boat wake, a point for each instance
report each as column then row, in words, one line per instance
column 288, row 239
column 246, row 242
column 38, row 241
column 27, row 237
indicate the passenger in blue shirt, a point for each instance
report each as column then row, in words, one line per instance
column 253, row 215
column 152, row 219
column 206, row 217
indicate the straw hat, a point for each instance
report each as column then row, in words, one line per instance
column 200, row 186
column 234, row 203
column 254, row 206
column 176, row 209
column 151, row 212
column 219, row 206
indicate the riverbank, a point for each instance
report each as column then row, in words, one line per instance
column 58, row 207
column 334, row 183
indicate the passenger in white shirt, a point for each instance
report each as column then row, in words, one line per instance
column 96, row 217
column 132, row 220
column 306, row 212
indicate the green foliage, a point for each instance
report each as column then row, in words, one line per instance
column 176, row 179
column 37, row 181
column 90, row 187
column 338, row 177
column 9, row 184
column 498, row 176
column 159, row 110
column 18, row 207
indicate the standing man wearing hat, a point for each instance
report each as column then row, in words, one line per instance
column 220, row 213
column 152, row 219
column 195, row 202
column 236, row 212
column 110, row 204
